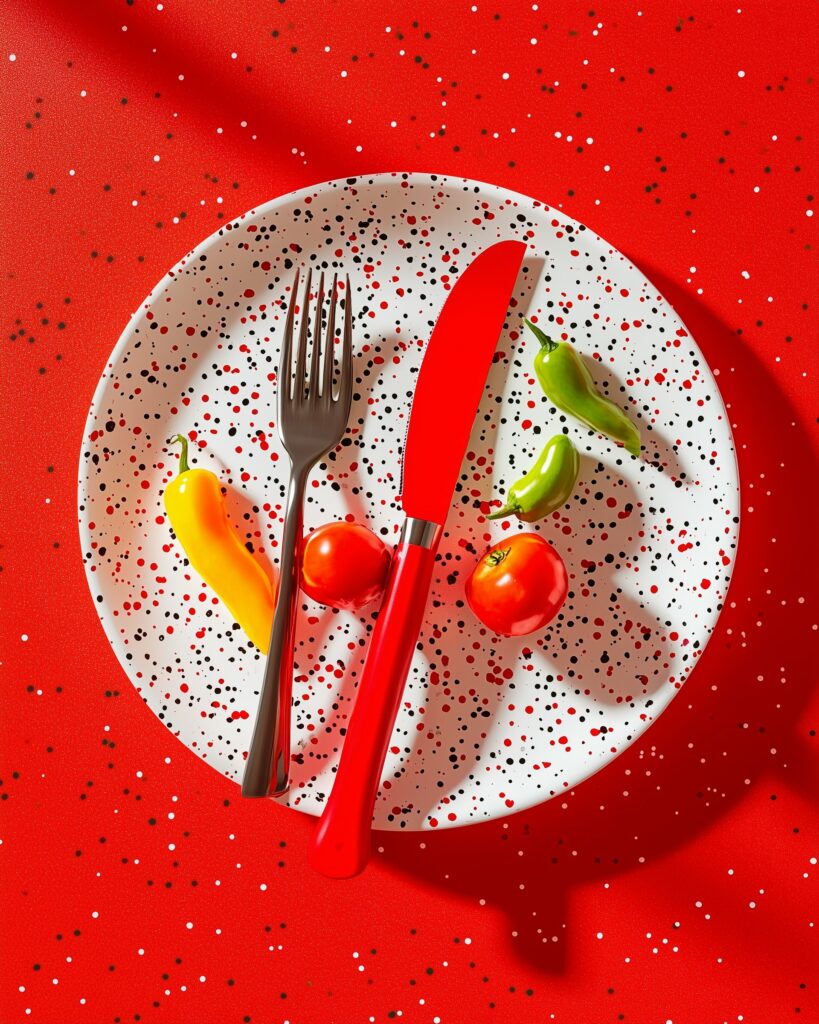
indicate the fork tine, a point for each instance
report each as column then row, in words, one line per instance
column 286, row 359
column 315, row 354
column 329, row 344
column 345, row 389
column 301, row 352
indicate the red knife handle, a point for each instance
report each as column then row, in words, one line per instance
column 340, row 846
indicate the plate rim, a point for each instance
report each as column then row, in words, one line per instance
column 374, row 179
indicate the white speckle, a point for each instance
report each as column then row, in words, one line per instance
column 156, row 158
column 83, row 92
column 589, row 141
column 202, row 977
column 533, row 41
column 606, row 167
column 745, row 274
column 12, row 57
column 393, row 124
column 808, row 213
column 263, row 887
column 234, row 55
column 558, row 135
column 24, row 637
column 740, row 74
column 160, row 7
column 505, row 75
column 95, row 914
column 358, row 149
column 124, row 28
column 140, row 951
column 139, row 775
column 599, row 935
column 181, row 78
column 343, row 74
column 692, row 270
column 189, row 925
column 327, row 48
column 71, row 173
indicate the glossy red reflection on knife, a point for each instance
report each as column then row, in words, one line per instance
column 452, row 378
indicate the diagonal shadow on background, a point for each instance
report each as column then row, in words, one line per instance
column 284, row 115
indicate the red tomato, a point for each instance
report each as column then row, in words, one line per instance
column 344, row 565
column 518, row 586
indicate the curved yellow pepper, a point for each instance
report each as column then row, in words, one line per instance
column 196, row 509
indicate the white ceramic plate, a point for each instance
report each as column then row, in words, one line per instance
column 487, row 725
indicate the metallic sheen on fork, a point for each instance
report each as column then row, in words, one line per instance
column 311, row 422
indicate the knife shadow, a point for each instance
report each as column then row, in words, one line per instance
column 701, row 760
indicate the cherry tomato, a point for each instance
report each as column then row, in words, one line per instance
column 344, row 565
column 518, row 586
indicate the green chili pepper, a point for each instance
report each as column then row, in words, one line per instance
column 569, row 385
column 547, row 485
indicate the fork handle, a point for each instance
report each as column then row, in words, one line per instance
column 267, row 768
column 340, row 845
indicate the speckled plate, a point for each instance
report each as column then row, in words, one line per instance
column 488, row 725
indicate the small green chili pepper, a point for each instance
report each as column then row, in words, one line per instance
column 548, row 484
column 566, row 382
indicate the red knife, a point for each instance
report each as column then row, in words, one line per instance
column 447, row 395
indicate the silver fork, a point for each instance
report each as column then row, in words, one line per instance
column 311, row 422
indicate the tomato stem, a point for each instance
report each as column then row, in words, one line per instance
column 494, row 558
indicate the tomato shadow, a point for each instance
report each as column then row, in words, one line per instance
column 696, row 763
column 604, row 645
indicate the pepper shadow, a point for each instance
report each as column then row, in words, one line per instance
column 658, row 451
column 707, row 752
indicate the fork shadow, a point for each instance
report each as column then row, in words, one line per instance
column 601, row 830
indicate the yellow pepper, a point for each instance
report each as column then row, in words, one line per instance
column 196, row 509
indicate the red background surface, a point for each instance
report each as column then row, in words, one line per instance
column 680, row 884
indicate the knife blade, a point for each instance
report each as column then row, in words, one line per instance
column 452, row 377
column 447, row 395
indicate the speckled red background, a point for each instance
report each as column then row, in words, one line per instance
column 680, row 884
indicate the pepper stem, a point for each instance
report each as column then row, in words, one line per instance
column 545, row 341
column 502, row 513
column 183, row 458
